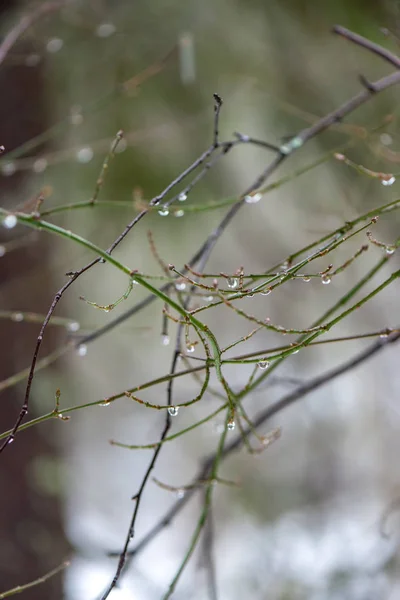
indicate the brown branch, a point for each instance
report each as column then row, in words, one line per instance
column 367, row 44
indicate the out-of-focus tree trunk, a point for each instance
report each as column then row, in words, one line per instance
column 31, row 535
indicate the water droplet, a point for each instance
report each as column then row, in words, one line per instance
column 231, row 424
column 296, row 351
column 232, row 282
column 105, row 30
column 102, row 260
column 209, row 298
column 8, row 169
column 76, row 117
column 10, row 221
column 84, row 155
column 179, row 213
column 190, row 348
column 285, row 149
column 10, row 439
column 82, row 350
column 325, row 280
column 104, row 403
column 266, row 292
column 285, row 266
column 253, row 198
column 54, row 45
column 165, row 339
column 40, row 165
column 17, row 317
column 2, row 250
column 180, row 493
column 173, row 411
column 182, row 197
column 32, row 60
column 263, row 364
column 389, row 181
column 386, row 139
column 296, row 142
column 73, row 326
column 339, row 156
column 390, row 250
column 306, row 278
column 107, row 310
column 251, row 295
column 180, row 286
column 163, row 211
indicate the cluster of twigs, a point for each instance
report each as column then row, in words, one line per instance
column 187, row 291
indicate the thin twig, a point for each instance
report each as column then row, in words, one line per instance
column 367, row 44
column 22, row 588
column 259, row 420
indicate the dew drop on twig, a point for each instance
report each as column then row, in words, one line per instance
column 73, row 326
column 263, row 364
column 182, row 197
column 163, row 211
column 8, row 169
column 105, row 30
column 232, row 282
column 39, row 165
column 386, row 139
column 253, row 198
column 10, row 221
column 173, row 411
column 84, row 155
column 165, row 339
column 82, row 350
column 231, row 425
column 389, row 181
column 17, row 317
column 54, row 45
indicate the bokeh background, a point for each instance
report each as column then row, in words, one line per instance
column 305, row 520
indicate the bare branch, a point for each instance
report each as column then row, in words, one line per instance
column 368, row 45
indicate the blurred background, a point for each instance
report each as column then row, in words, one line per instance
column 305, row 520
